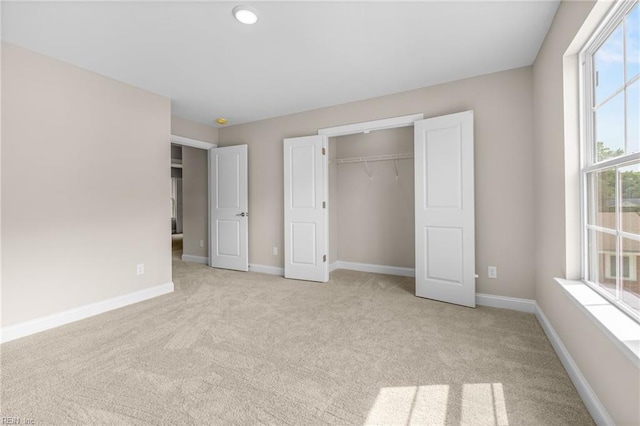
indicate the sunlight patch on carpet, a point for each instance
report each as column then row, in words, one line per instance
column 481, row 404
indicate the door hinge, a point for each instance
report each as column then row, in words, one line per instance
column 324, row 151
column 324, row 204
column 324, row 258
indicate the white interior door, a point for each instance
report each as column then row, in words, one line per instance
column 305, row 213
column 228, row 208
column 445, row 234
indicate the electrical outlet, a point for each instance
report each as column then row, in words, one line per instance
column 140, row 269
column 274, row 251
column 201, row 243
column 492, row 272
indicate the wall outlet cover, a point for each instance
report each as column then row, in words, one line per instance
column 492, row 272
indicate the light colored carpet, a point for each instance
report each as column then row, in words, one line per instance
column 246, row 348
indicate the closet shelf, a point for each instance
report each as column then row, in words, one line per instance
column 372, row 158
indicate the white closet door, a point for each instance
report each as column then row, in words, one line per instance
column 444, row 185
column 229, row 239
column 305, row 212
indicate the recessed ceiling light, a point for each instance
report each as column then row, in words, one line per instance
column 245, row 14
column 221, row 120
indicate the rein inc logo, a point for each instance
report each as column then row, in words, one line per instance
column 16, row 421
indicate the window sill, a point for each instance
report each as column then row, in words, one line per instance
column 621, row 330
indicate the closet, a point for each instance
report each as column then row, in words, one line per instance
column 372, row 228
column 371, row 201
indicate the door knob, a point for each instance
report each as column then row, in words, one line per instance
column 243, row 214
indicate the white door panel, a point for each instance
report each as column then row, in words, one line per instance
column 228, row 242
column 442, row 164
column 228, row 191
column 303, row 243
column 444, row 254
column 303, row 165
column 305, row 215
column 445, row 234
column 229, row 208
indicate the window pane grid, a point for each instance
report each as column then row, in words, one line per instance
column 611, row 160
column 634, row 237
column 603, row 230
column 611, row 80
column 622, row 161
column 609, row 97
column 622, row 105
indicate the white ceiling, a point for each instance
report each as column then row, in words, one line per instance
column 299, row 56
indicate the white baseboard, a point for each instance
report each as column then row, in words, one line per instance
column 504, row 302
column 264, row 269
column 195, row 259
column 513, row 303
column 376, row 269
column 589, row 397
column 45, row 323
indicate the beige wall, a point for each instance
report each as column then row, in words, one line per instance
column 613, row 377
column 194, row 185
column 502, row 103
column 193, row 130
column 375, row 218
column 85, row 187
column 195, row 222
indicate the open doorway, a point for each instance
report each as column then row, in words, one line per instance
column 176, row 202
column 306, row 180
column 371, row 202
column 189, row 200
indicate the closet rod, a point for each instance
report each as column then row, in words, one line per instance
column 372, row 158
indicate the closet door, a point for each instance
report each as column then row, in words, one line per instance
column 445, row 234
column 305, row 212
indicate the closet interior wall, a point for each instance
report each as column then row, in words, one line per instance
column 371, row 208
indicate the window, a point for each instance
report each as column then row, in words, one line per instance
column 610, row 148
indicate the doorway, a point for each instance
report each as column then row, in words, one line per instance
column 176, row 202
column 371, row 202
column 190, row 187
column 214, row 194
column 444, row 204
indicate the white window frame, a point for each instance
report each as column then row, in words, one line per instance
column 588, row 163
